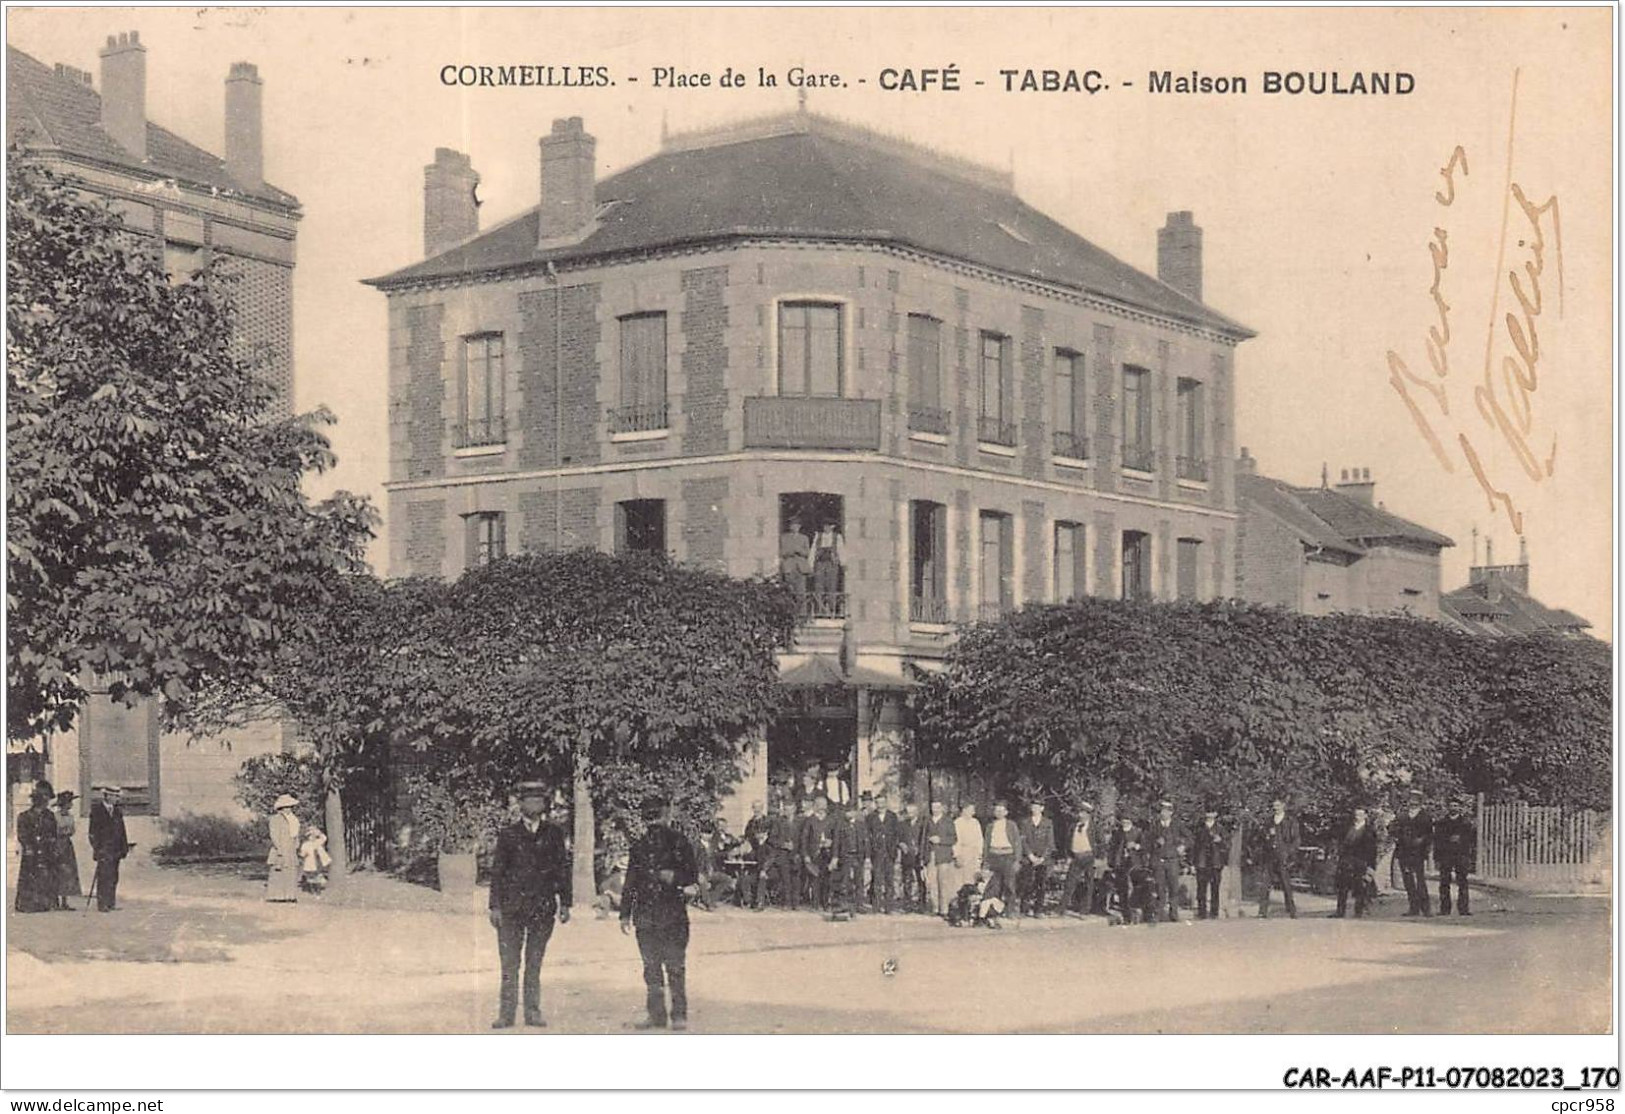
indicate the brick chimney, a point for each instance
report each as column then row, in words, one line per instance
column 569, row 194
column 245, row 149
column 1358, row 483
column 1179, row 254
column 451, row 211
column 1246, row 463
column 124, row 92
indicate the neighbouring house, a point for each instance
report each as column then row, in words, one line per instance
column 192, row 206
column 774, row 334
column 1332, row 548
column 1495, row 602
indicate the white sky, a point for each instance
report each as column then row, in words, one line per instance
column 1317, row 211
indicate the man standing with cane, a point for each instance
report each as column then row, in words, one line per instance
column 109, row 843
column 530, row 884
column 658, row 877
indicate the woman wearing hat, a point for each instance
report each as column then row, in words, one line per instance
column 36, row 873
column 67, row 859
column 283, row 882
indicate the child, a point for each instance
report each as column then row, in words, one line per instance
column 972, row 905
column 314, row 859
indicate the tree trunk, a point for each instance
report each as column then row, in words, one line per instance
column 582, row 882
column 338, row 872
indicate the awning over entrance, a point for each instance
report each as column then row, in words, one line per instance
column 824, row 671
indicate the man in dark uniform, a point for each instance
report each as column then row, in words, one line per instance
column 1208, row 854
column 530, row 885
column 1124, row 855
column 782, row 864
column 1037, row 847
column 109, row 843
column 1356, row 863
column 1167, row 846
column 885, row 834
column 816, row 847
column 1455, row 853
column 1413, row 839
column 910, row 853
column 849, row 845
column 1278, row 845
column 754, row 850
column 660, row 874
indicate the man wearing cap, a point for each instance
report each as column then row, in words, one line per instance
column 659, row 874
column 109, row 844
column 781, row 864
column 1455, row 853
column 885, row 834
column 1356, row 863
column 1413, row 839
column 1208, row 853
column 530, row 885
column 1126, row 855
column 849, row 847
column 912, row 831
column 1081, row 874
column 282, row 883
column 1037, row 845
column 1278, row 841
column 1002, row 853
column 1167, row 841
column 817, row 846
column 937, row 854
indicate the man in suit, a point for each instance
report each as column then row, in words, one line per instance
column 530, row 885
column 816, row 848
column 109, row 844
column 1278, row 846
column 1455, row 852
column 659, row 876
column 885, row 834
column 1081, row 873
column 849, row 848
column 1037, row 846
column 911, row 874
column 1125, row 854
column 937, row 854
column 754, row 849
column 1413, row 839
column 1001, row 853
column 1356, row 863
column 1208, row 854
column 1167, row 844
column 782, row 861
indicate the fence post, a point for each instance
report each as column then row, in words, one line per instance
column 1482, row 857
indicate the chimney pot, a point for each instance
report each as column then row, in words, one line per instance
column 450, row 207
column 124, row 92
column 1357, row 483
column 569, row 186
column 1179, row 254
column 245, row 127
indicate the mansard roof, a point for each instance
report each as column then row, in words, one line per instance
column 807, row 177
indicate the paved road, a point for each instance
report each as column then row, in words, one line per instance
column 204, row 960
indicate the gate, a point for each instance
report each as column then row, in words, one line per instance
column 369, row 815
column 1518, row 841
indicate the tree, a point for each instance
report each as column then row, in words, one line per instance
column 158, row 535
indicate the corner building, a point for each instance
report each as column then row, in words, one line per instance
column 795, row 326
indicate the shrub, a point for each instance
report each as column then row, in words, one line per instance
column 190, row 836
column 453, row 813
column 265, row 777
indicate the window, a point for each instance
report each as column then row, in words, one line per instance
column 1071, row 429
column 810, row 349
column 487, row 537
column 1136, row 565
column 1137, row 420
column 482, row 393
column 998, row 563
column 640, row 526
column 1190, row 556
column 925, row 412
column 643, row 375
column 812, row 552
column 1192, row 457
column 994, row 425
column 928, row 565
column 1071, row 581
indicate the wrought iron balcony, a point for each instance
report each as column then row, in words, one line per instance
column 927, row 609
column 992, row 431
column 822, row 605
column 477, row 432
column 1140, row 458
column 929, row 419
column 812, row 423
column 1072, row 445
column 1191, row 468
column 638, row 419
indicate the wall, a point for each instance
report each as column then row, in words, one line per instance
column 1269, row 561
column 197, row 774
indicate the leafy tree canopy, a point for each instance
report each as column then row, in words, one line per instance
column 158, row 535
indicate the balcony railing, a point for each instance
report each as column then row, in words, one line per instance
column 822, row 605
column 1140, row 458
column 812, row 423
column 1072, row 445
column 476, row 432
column 1191, row 468
column 929, row 419
column 638, row 419
column 927, row 609
column 992, row 431
column 991, row 611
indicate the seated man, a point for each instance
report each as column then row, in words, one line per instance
column 716, row 885
column 973, row 905
column 608, row 900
